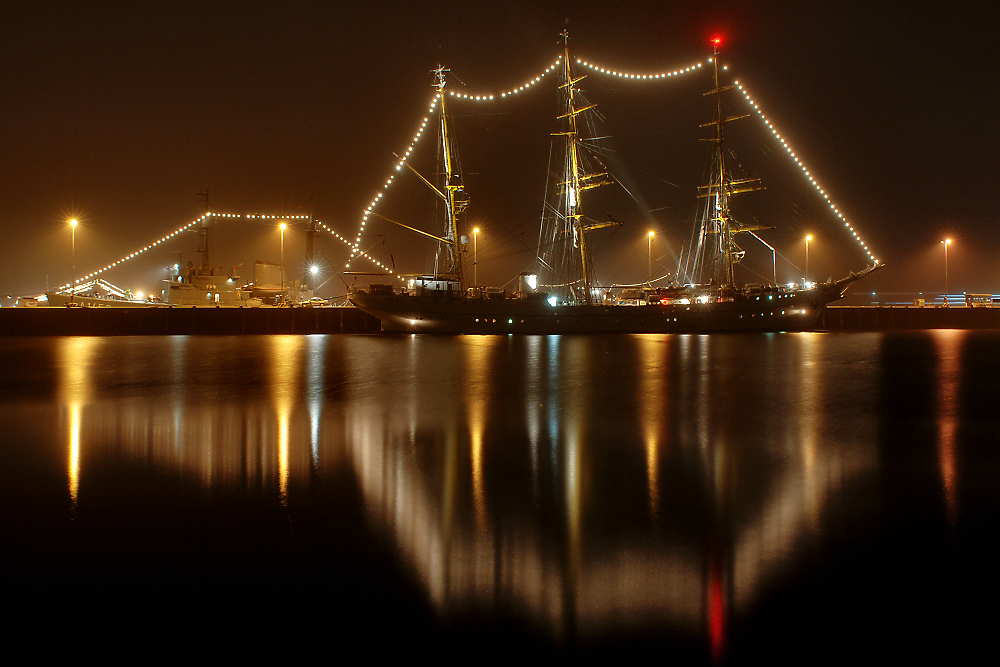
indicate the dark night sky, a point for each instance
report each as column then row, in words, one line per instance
column 120, row 113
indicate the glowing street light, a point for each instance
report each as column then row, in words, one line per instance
column 72, row 284
column 808, row 239
column 946, row 243
column 649, row 259
column 475, row 256
column 282, row 227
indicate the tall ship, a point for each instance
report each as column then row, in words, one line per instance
column 560, row 294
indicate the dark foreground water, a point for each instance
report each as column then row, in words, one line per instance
column 790, row 497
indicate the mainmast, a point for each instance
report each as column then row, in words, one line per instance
column 454, row 193
column 718, row 224
column 576, row 182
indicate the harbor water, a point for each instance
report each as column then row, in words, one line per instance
column 806, row 496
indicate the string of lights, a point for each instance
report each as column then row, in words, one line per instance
column 355, row 247
column 136, row 253
column 174, row 233
column 262, row 217
column 513, row 91
column 628, row 75
column 359, row 252
column 805, row 170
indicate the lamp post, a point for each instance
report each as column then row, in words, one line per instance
column 282, row 226
column 649, row 259
column 808, row 239
column 475, row 257
column 72, row 283
column 946, row 243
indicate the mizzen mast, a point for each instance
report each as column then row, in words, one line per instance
column 719, row 223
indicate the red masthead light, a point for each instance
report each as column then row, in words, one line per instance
column 716, row 40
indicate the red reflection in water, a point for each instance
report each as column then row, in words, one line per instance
column 716, row 612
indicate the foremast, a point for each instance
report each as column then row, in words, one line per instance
column 454, row 191
column 717, row 245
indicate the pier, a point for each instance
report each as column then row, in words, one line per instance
column 897, row 318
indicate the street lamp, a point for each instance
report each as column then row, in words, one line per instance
column 649, row 259
column 72, row 224
column 282, row 226
column 946, row 243
column 475, row 257
column 808, row 239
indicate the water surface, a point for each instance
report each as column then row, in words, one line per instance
column 790, row 496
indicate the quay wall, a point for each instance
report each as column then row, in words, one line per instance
column 183, row 321
column 897, row 318
column 257, row 321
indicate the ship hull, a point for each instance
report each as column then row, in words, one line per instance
column 457, row 315
column 59, row 299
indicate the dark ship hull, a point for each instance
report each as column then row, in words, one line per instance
column 452, row 313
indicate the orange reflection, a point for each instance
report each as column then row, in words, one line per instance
column 478, row 375
column 286, row 353
column 810, row 423
column 75, row 358
column 949, row 344
column 653, row 398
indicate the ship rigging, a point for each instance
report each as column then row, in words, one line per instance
column 712, row 302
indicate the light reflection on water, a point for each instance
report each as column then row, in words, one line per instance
column 591, row 485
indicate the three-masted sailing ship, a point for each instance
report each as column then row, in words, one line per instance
column 571, row 301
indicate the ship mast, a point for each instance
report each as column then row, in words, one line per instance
column 454, row 192
column 576, row 182
column 719, row 222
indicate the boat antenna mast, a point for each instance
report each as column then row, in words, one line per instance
column 718, row 221
column 205, row 261
column 454, row 191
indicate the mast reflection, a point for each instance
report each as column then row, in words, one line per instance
column 580, row 483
